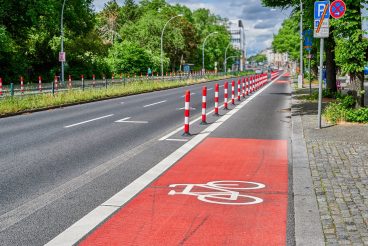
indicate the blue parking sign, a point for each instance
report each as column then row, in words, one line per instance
column 318, row 10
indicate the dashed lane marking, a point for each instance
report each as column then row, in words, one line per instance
column 87, row 121
column 153, row 104
column 126, row 120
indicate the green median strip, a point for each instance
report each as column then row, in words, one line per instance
column 17, row 105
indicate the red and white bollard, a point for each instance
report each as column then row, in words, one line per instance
column 217, row 99
column 56, row 84
column 239, row 84
column 39, row 83
column 247, row 86
column 233, row 92
column 93, row 80
column 243, row 87
column 1, row 86
column 70, row 82
column 112, row 78
column 204, row 105
column 186, row 113
column 22, row 85
column 226, row 95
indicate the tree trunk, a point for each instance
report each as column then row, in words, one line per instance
column 331, row 63
column 357, row 86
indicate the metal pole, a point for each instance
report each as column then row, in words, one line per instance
column 301, row 43
column 320, row 84
column 225, row 61
column 204, row 43
column 310, row 75
column 62, row 40
column 162, row 42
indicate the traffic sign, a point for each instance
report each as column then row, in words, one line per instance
column 321, row 19
column 308, row 39
column 62, row 57
column 319, row 8
column 338, row 9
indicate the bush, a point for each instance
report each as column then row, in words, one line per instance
column 358, row 115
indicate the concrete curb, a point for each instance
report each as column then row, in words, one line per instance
column 308, row 228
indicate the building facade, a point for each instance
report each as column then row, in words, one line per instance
column 236, row 29
column 276, row 59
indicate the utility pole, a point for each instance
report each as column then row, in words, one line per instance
column 301, row 75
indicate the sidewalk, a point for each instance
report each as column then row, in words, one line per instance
column 338, row 165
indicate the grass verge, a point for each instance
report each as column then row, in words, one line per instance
column 16, row 105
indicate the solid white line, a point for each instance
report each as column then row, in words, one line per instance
column 84, row 122
column 184, row 108
column 149, row 105
column 210, row 89
column 125, row 120
column 190, row 94
column 81, row 228
column 176, row 140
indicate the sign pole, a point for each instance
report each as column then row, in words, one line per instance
column 320, row 84
column 310, row 75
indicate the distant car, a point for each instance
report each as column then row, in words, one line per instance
column 366, row 70
column 258, row 71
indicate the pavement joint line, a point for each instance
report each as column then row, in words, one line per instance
column 152, row 104
column 190, row 94
column 87, row 121
column 85, row 225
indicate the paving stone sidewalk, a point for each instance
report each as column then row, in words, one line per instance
column 338, row 160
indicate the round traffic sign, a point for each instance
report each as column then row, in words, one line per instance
column 337, row 9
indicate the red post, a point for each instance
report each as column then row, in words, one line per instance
column 56, row 83
column 1, row 86
column 247, row 86
column 243, row 87
column 186, row 113
column 233, row 92
column 93, row 80
column 22, row 85
column 217, row 99
column 226, row 96
column 39, row 83
column 204, row 105
column 253, row 88
column 239, row 84
column 70, row 82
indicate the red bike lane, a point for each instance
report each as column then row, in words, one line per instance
column 224, row 192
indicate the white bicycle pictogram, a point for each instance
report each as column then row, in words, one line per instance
column 226, row 192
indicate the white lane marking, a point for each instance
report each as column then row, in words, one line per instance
column 176, row 140
column 122, row 102
column 126, row 120
column 87, row 121
column 184, row 108
column 82, row 227
column 149, row 105
column 221, row 86
column 190, row 94
column 210, row 89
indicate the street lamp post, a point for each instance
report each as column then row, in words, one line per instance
column 162, row 41
column 62, row 41
column 301, row 75
column 204, row 43
column 225, row 61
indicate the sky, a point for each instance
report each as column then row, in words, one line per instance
column 261, row 23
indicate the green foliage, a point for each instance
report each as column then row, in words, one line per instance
column 343, row 111
column 287, row 39
column 258, row 58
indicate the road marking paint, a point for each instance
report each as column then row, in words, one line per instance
column 189, row 200
column 210, row 89
column 190, row 94
column 82, row 227
column 122, row 102
column 221, row 86
column 149, row 105
column 184, row 108
column 87, row 121
column 176, row 140
column 126, row 120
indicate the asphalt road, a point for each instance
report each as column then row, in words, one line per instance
column 58, row 165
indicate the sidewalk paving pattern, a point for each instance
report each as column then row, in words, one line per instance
column 338, row 159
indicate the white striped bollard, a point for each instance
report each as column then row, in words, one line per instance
column 247, row 86
column 82, row 78
column 243, row 87
column 226, row 95
column 239, row 85
column 70, row 82
column 204, row 105
column 56, row 84
column 93, row 80
column 233, row 92
column 1, row 86
column 39, row 83
column 22, row 85
column 217, row 99
column 186, row 114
